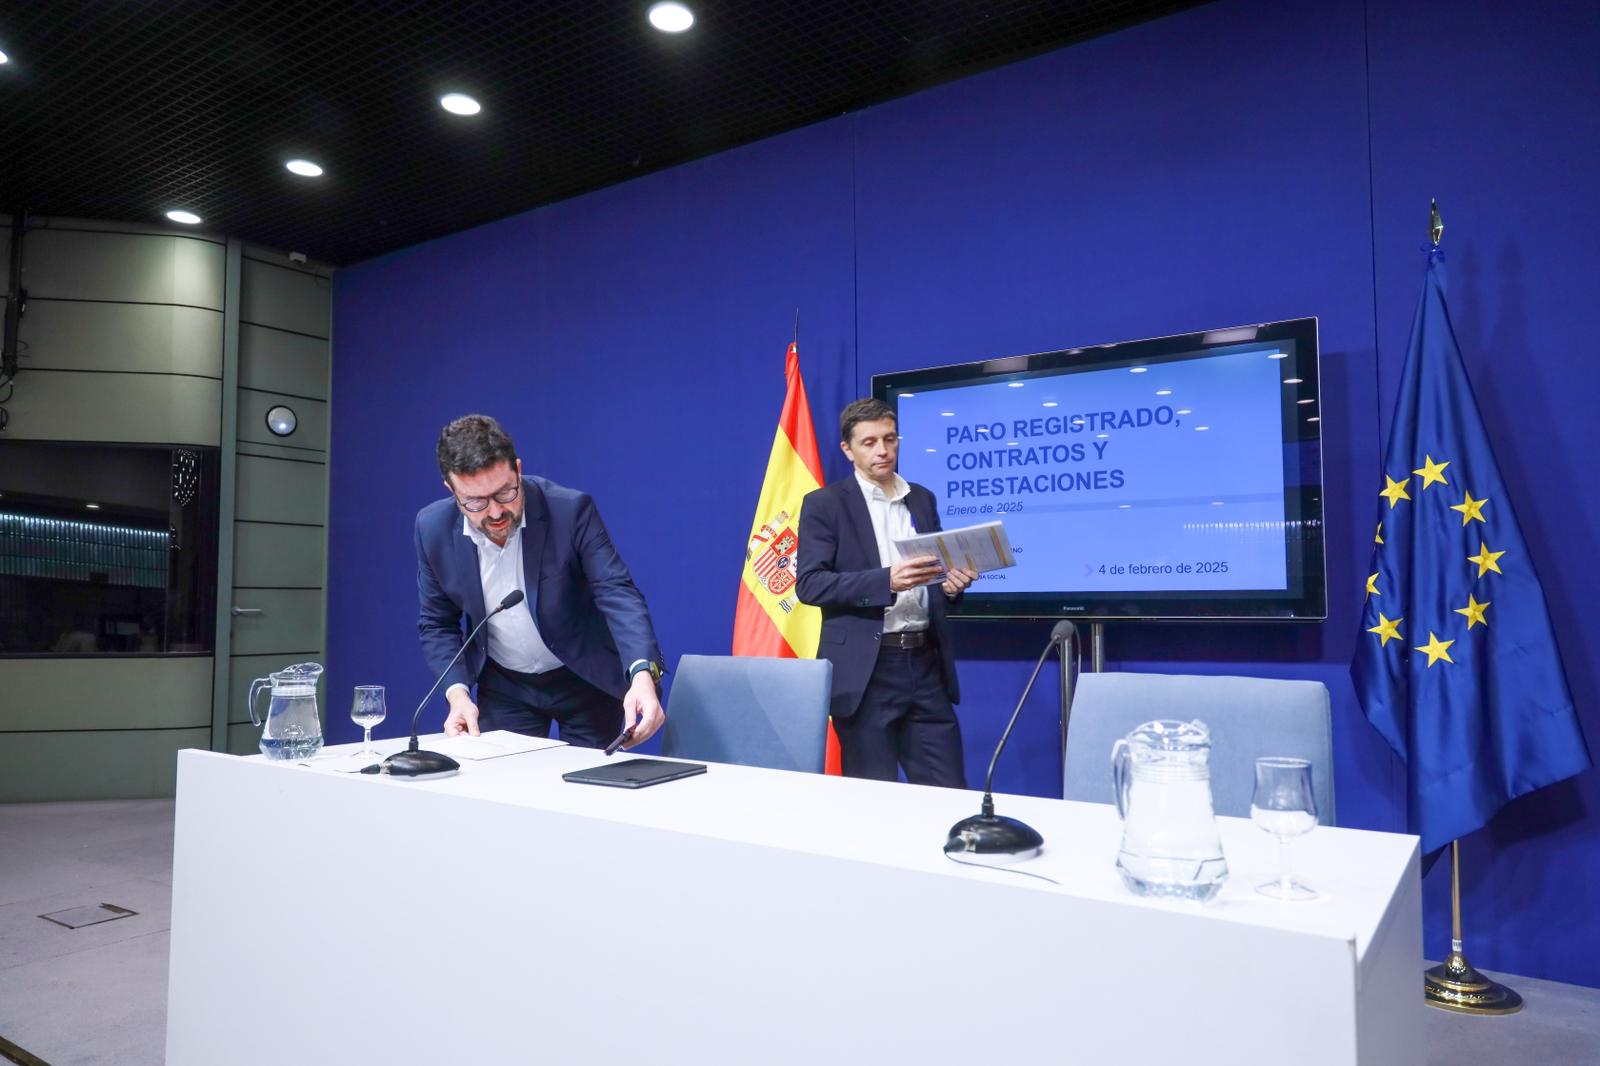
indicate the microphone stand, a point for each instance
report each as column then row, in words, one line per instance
column 418, row 765
column 995, row 838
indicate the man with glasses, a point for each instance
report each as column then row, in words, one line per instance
column 579, row 650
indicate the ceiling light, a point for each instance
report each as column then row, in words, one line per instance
column 1185, row 411
column 1015, row 384
column 459, row 104
column 948, row 414
column 1051, row 403
column 907, row 395
column 4, row 59
column 1308, row 400
column 1163, row 392
column 1293, row 381
column 1201, row 429
column 671, row 17
column 1278, row 355
column 303, row 167
column 1138, row 369
column 930, row 449
column 92, row 506
column 188, row 218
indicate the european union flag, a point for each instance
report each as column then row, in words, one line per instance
column 1457, row 666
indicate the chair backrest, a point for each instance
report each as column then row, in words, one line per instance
column 1248, row 716
column 749, row 710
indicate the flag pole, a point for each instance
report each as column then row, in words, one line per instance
column 1456, row 985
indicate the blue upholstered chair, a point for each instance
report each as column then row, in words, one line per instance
column 749, row 710
column 1249, row 717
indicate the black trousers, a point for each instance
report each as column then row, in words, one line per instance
column 905, row 720
column 528, row 703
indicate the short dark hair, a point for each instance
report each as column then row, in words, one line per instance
column 472, row 443
column 866, row 409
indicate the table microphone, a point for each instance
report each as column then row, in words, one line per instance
column 994, row 838
column 416, row 764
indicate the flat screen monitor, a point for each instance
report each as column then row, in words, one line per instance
column 1170, row 478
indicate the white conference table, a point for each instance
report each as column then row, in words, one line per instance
column 745, row 916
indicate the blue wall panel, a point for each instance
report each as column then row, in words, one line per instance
column 1491, row 108
column 1239, row 162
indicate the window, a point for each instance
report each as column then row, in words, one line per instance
column 107, row 549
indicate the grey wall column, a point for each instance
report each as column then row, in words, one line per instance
column 229, row 447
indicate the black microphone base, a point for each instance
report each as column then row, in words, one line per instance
column 420, row 765
column 993, row 839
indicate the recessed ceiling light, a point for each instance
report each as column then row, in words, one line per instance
column 1102, row 436
column 1201, row 429
column 1138, row 369
column 671, row 17
column 1163, row 392
column 303, row 167
column 930, row 449
column 188, row 218
column 907, row 395
column 4, row 59
column 1051, row 403
column 459, row 104
column 1185, row 411
column 92, row 506
column 1293, row 381
column 1313, row 419
column 1015, row 384
column 948, row 414
column 1307, row 400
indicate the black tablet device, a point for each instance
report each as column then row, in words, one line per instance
column 634, row 773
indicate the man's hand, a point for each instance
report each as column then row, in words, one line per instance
column 463, row 716
column 642, row 704
column 917, row 570
column 957, row 580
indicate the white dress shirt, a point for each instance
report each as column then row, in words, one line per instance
column 891, row 520
column 514, row 640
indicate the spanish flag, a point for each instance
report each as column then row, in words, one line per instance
column 770, row 619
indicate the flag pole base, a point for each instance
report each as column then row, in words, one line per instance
column 1457, row 986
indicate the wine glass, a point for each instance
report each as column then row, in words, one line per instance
column 367, row 711
column 1284, row 806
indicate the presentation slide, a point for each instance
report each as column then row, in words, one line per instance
column 1160, row 478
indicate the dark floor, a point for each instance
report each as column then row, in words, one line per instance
column 83, row 997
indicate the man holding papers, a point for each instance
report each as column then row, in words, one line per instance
column 883, row 616
column 578, row 650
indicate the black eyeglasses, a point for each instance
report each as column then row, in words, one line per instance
column 477, row 504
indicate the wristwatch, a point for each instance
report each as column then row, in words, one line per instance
column 639, row 666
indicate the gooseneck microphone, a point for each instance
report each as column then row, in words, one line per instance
column 415, row 764
column 994, row 838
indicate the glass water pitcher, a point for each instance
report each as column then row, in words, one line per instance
column 292, row 731
column 1161, row 773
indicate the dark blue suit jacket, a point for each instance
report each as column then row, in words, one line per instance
column 840, row 573
column 582, row 598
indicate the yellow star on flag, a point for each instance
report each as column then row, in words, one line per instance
column 1387, row 628
column 1486, row 560
column 1432, row 472
column 1372, row 586
column 1470, row 508
column 1378, row 538
column 1436, row 649
column 1394, row 492
column 1474, row 612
